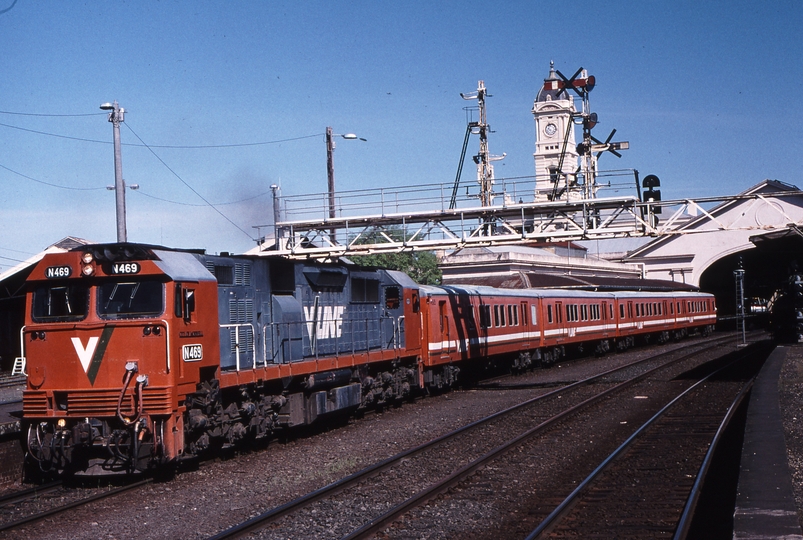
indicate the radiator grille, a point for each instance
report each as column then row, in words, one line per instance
column 99, row 403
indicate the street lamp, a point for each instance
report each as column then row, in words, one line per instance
column 738, row 275
column 330, row 167
column 116, row 116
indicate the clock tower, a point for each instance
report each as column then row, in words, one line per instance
column 553, row 110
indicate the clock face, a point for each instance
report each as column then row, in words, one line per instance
column 550, row 129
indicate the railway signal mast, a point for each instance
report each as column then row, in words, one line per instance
column 485, row 170
column 555, row 115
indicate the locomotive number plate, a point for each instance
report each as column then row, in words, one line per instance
column 192, row 353
column 56, row 272
column 125, row 268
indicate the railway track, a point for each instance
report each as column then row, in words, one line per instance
column 638, row 492
column 443, row 463
column 48, row 501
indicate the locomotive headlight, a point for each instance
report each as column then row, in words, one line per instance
column 61, row 423
column 87, row 258
column 88, row 270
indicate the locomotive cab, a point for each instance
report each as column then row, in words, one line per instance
column 115, row 337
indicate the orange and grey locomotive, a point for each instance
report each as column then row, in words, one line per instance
column 139, row 357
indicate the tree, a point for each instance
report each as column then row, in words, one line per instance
column 421, row 266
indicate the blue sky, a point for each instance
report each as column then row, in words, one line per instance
column 705, row 92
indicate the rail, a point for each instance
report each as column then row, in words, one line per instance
column 352, row 481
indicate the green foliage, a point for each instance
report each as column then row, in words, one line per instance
column 422, row 266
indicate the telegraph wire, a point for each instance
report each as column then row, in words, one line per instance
column 224, row 216
column 49, row 183
column 139, row 191
column 55, row 134
column 233, row 145
column 50, row 115
column 149, row 146
column 12, row 259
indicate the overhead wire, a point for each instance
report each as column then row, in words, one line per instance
column 139, row 191
column 224, row 216
column 51, row 115
column 143, row 145
column 48, row 183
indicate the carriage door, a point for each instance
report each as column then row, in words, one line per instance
column 607, row 323
column 523, row 321
column 559, row 320
column 410, row 324
column 443, row 319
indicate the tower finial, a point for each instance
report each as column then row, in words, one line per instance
column 552, row 74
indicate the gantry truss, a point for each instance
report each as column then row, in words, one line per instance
column 418, row 218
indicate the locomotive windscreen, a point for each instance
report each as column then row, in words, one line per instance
column 130, row 299
column 57, row 303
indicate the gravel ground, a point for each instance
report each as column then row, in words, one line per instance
column 197, row 504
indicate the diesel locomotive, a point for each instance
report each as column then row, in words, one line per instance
column 139, row 357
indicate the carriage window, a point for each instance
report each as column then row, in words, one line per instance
column 496, row 316
column 533, row 316
column 513, row 315
column 622, row 311
column 130, row 300
column 60, row 303
column 549, row 314
column 485, row 315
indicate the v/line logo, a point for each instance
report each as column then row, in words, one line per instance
column 85, row 353
column 324, row 322
column 91, row 354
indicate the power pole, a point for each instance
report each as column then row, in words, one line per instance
column 116, row 116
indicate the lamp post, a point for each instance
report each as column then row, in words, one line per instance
column 330, row 169
column 738, row 275
column 116, row 116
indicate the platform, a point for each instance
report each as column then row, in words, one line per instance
column 765, row 502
